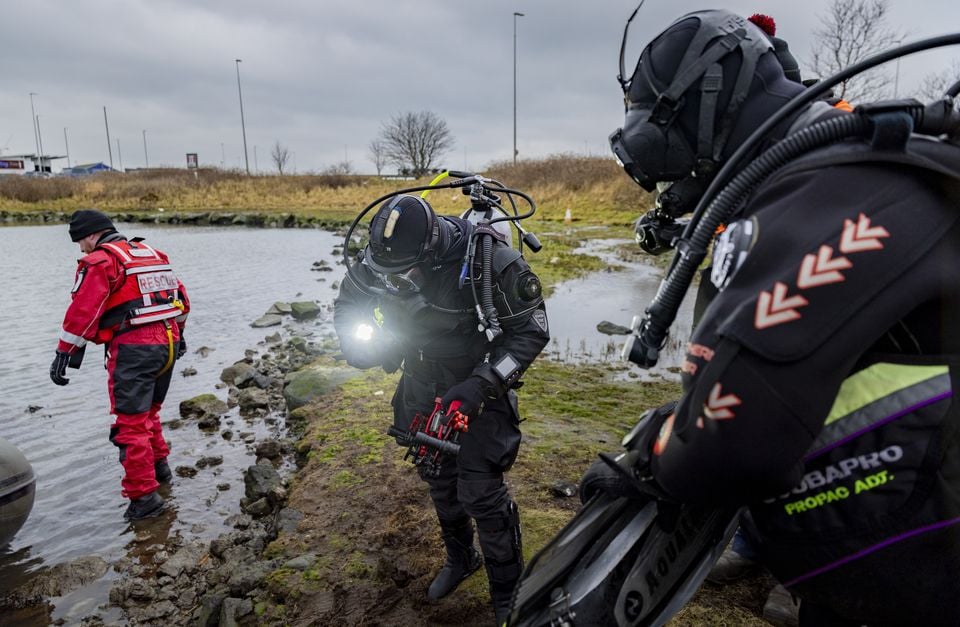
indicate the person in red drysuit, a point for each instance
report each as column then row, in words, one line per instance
column 127, row 297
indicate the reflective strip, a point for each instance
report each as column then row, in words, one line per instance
column 70, row 338
column 142, row 269
column 877, row 395
column 154, row 318
column 140, row 252
column 153, row 309
column 117, row 250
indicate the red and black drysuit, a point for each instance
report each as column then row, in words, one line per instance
column 127, row 297
column 818, row 385
column 439, row 350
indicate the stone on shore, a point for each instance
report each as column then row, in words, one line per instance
column 267, row 320
column 201, row 406
column 279, row 309
column 312, row 382
column 609, row 328
column 259, row 480
column 239, row 370
column 304, row 310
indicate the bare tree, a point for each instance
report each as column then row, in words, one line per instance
column 851, row 31
column 378, row 154
column 341, row 168
column 280, row 155
column 416, row 140
column 933, row 86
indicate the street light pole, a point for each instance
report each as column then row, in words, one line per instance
column 515, row 16
column 33, row 118
column 146, row 159
column 107, row 127
column 119, row 154
column 67, row 144
column 243, row 125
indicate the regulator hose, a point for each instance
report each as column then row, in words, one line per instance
column 493, row 329
column 645, row 348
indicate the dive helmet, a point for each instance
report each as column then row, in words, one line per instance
column 685, row 96
column 404, row 232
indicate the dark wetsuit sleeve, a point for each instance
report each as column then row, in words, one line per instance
column 523, row 317
column 841, row 255
column 352, row 305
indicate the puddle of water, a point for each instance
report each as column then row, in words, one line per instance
column 616, row 295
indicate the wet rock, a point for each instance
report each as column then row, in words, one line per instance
column 253, row 398
column 173, row 424
column 248, row 438
column 32, row 409
column 239, row 521
column 209, row 422
column 203, row 351
column 609, row 328
column 280, row 309
column 268, row 320
column 227, row 434
column 270, row 449
column 234, row 609
column 151, row 614
column 58, row 581
column 209, row 460
column 210, row 609
column 305, row 310
column 230, row 374
column 312, row 382
column 223, row 487
column 253, row 378
column 259, row 480
column 136, row 589
column 273, row 339
column 188, row 372
column 184, row 560
column 202, row 405
column 246, row 577
column 258, row 508
column 563, row 488
column 186, row 471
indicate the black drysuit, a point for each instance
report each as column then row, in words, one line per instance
column 818, row 384
column 440, row 349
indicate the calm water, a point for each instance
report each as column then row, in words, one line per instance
column 233, row 275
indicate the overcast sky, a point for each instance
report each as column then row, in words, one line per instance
column 320, row 76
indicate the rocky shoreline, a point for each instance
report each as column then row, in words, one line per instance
column 171, row 580
column 287, row 220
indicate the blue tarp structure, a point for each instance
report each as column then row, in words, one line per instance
column 86, row 168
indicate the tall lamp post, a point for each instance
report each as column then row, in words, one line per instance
column 33, row 118
column 515, row 16
column 146, row 159
column 243, row 125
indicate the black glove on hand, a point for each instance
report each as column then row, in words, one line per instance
column 182, row 349
column 59, row 368
column 469, row 392
column 362, row 355
column 618, row 475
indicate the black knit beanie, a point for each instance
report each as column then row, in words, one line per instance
column 87, row 222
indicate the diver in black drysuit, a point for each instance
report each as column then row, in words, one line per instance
column 419, row 259
column 818, row 384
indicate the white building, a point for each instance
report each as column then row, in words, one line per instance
column 24, row 164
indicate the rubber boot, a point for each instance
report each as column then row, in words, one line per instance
column 146, row 506
column 500, row 540
column 462, row 559
column 162, row 470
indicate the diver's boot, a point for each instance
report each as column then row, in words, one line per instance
column 503, row 557
column 162, row 471
column 146, row 506
column 782, row 608
column 732, row 566
column 462, row 559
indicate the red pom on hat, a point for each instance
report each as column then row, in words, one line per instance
column 765, row 22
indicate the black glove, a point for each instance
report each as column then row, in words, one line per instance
column 182, row 349
column 59, row 368
column 471, row 394
column 618, row 475
column 362, row 355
